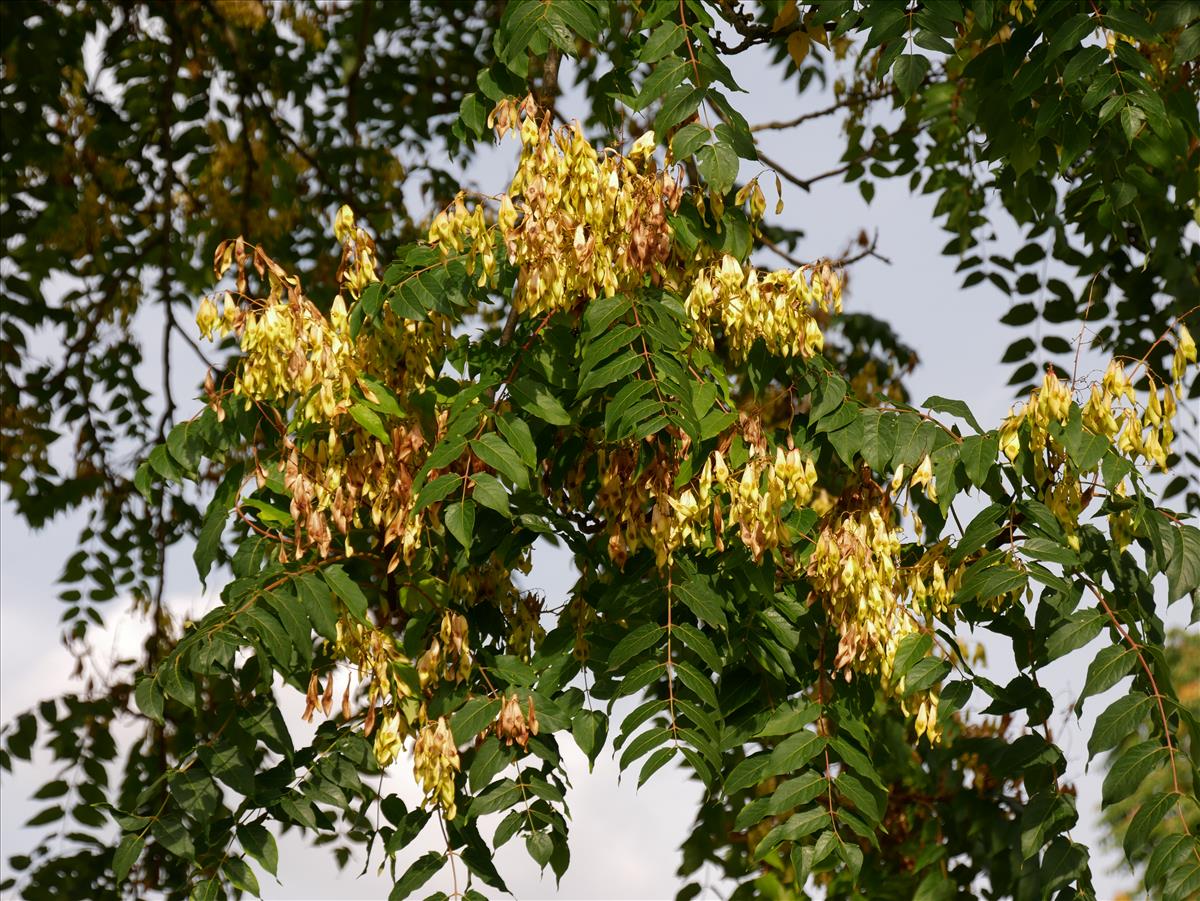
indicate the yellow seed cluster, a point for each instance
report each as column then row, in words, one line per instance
column 435, row 763
column 394, row 710
column 391, row 708
column 515, row 726
column 290, row 348
column 374, row 654
column 1113, row 411
column 578, row 224
column 449, row 655
column 776, row 306
column 308, row 366
column 855, row 572
column 357, row 268
column 699, row 514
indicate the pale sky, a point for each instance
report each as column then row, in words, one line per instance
column 624, row 842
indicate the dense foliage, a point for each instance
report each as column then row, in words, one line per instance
column 769, row 556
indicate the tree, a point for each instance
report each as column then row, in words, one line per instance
column 768, row 551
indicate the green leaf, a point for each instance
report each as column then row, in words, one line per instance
column 48, row 815
column 174, row 835
column 912, row 647
column 679, row 103
column 688, row 140
column 176, row 681
column 126, row 855
column 1110, row 666
column 698, row 683
column 747, row 773
column 1183, row 881
column 196, row 792
column 516, row 433
column 1063, row 861
column 1168, row 857
column 437, row 490
column 149, row 698
column 1183, row 569
column 879, row 438
column 796, row 792
column 643, row 744
column 239, row 873
column 259, row 843
column 54, row 789
column 491, row 759
column 590, row 728
column 319, row 605
column 1130, row 769
column 909, row 71
column 925, row 673
column 493, row 451
column 460, row 520
column 488, row 492
column 665, row 38
column 1050, row 551
column 369, row 420
column 1069, row 34
column 865, row 800
column 634, row 643
column 789, row 718
column 846, row 441
column 540, row 846
column 622, row 366
column 1047, row 814
column 1079, row 629
column 208, row 541
column 700, row 643
column 654, row 763
column 606, row 344
column 794, row 751
column 472, row 718
column 345, row 588
column 799, row 825
column 473, row 113
column 599, row 314
column 852, row 855
column 978, row 454
column 290, row 612
column 718, row 165
column 702, row 601
column 142, row 479
column 1150, row 816
column 536, row 398
column 954, row 408
column 1118, row 722
column 936, row 886
column 1187, row 45
column 422, row 870
column 827, row 398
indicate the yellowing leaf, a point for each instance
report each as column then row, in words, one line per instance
column 798, row 44
column 787, row 15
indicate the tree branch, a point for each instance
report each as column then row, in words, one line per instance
column 846, row 102
column 807, row 183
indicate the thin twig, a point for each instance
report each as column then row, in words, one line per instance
column 807, row 183
column 844, row 103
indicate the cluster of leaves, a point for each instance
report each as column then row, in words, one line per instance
column 806, row 775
